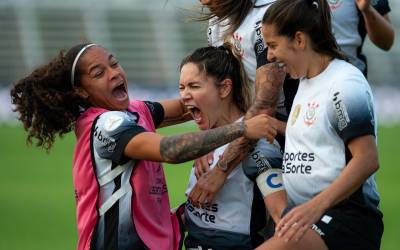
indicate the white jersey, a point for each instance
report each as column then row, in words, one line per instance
column 328, row 111
column 231, row 211
column 247, row 40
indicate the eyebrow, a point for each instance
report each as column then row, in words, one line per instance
column 91, row 68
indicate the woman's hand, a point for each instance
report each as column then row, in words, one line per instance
column 261, row 126
column 202, row 164
column 295, row 223
column 363, row 5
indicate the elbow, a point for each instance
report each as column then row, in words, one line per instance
column 374, row 164
column 387, row 44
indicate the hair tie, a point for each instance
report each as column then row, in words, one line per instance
column 224, row 48
column 76, row 61
column 313, row 4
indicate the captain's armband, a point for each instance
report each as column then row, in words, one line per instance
column 270, row 181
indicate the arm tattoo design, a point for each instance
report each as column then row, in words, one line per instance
column 181, row 148
column 236, row 152
column 269, row 82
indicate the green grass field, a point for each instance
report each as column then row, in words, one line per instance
column 37, row 206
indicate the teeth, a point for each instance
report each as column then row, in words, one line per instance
column 190, row 106
column 281, row 65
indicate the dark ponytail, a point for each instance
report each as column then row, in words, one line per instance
column 221, row 63
column 312, row 17
column 46, row 101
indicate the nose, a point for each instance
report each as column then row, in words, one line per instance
column 185, row 94
column 114, row 72
column 270, row 55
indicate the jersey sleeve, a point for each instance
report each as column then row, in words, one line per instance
column 350, row 109
column 382, row 6
column 263, row 157
column 157, row 112
column 112, row 132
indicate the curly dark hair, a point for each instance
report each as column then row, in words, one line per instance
column 46, row 101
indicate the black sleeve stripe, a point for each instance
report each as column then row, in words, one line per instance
column 157, row 112
column 261, row 56
column 382, row 6
column 118, row 155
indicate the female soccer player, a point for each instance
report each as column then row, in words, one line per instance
column 214, row 88
column 121, row 194
column 330, row 154
column 239, row 23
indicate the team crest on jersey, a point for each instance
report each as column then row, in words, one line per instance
column 237, row 44
column 295, row 114
column 309, row 117
column 334, row 4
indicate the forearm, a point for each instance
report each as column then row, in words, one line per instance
column 181, row 148
column 236, row 153
column 269, row 81
column 379, row 28
column 275, row 203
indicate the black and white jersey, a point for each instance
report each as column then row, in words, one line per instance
column 111, row 133
column 328, row 111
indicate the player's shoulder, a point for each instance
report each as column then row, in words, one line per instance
column 343, row 73
column 113, row 120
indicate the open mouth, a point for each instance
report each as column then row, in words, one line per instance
column 195, row 112
column 120, row 91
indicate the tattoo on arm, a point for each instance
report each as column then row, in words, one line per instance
column 181, row 148
column 269, row 81
column 236, row 152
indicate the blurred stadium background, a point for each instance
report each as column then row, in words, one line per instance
column 149, row 38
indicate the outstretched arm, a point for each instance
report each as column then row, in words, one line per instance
column 185, row 147
column 379, row 28
column 269, row 80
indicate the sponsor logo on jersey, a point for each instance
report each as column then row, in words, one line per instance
column 317, row 229
column 370, row 108
column 341, row 112
column 259, row 44
column 334, row 4
column 204, row 214
column 298, row 163
column 295, row 114
column 260, row 160
column 310, row 116
column 106, row 141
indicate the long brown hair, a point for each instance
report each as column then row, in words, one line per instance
column 312, row 17
column 46, row 101
column 235, row 11
column 221, row 63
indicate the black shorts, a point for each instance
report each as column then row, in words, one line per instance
column 347, row 226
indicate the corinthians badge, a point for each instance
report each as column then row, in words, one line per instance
column 309, row 117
